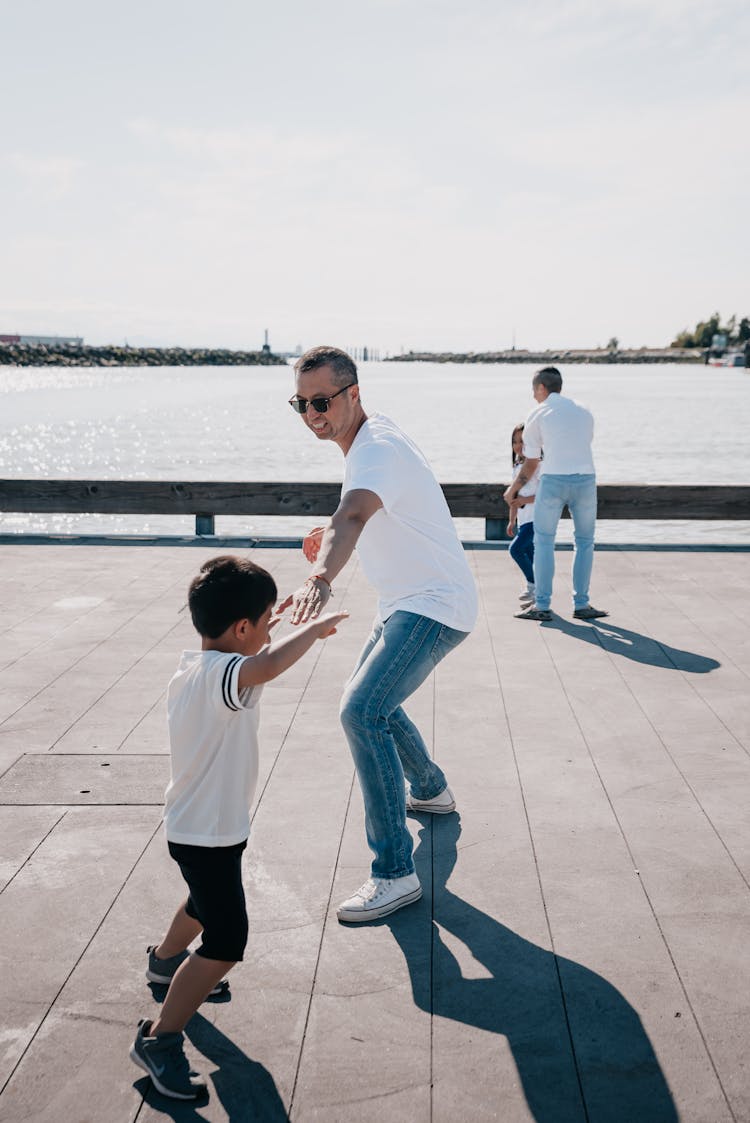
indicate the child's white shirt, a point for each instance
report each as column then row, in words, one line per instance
column 213, row 739
column 526, row 514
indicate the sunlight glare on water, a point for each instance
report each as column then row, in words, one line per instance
column 654, row 424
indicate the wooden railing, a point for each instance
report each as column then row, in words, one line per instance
column 206, row 499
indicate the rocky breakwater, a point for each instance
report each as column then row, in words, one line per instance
column 542, row 358
column 66, row 355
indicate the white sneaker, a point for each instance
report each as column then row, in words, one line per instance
column 441, row 804
column 529, row 593
column 379, row 896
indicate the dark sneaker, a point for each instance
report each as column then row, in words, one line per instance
column 163, row 970
column 589, row 613
column 441, row 804
column 379, row 896
column 534, row 614
column 164, row 1060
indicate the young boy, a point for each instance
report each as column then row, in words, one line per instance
column 212, row 706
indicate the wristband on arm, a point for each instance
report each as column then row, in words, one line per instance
column 320, row 577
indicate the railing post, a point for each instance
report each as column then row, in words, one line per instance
column 204, row 525
column 494, row 530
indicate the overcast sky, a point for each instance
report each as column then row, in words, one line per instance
column 411, row 174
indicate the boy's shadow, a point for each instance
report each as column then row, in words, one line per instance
column 579, row 1047
column 245, row 1088
column 635, row 646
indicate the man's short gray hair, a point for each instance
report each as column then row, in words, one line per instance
column 343, row 367
column 550, row 378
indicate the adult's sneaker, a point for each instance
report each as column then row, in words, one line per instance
column 441, row 804
column 379, row 896
column 163, row 970
column 588, row 612
column 163, row 1058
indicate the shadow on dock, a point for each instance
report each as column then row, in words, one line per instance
column 579, row 1047
column 635, row 646
column 245, row 1089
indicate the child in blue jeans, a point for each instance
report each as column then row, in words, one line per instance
column 521, row 523
column 212, row 706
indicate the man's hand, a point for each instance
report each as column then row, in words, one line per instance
column 309, row 600
column 311, row 543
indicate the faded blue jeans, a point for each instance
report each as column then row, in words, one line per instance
column 385, row 744
column 553, row 493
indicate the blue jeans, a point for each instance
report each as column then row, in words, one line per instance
column 553, row 493
column 522, row 550
column 385, row 744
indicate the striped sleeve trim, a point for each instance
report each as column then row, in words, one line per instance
column 229, row 690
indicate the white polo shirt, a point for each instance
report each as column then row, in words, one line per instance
column 213, row 742
column 564, row 430
column 409, row 548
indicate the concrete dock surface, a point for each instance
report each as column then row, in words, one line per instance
column 580, row 953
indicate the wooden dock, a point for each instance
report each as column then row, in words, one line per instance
column 581, row 950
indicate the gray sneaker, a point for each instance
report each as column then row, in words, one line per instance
column 163, row 970
column 588, row 612
column 164, row 1060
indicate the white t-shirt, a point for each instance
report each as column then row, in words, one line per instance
column 409, row 549
column 526, row 514
column 564, row 429
column 213, row 740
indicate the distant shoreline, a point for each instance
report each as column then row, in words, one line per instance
column 41, row 355
column 595, row 355
column 66, row 355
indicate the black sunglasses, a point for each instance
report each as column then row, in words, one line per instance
column 320, row 405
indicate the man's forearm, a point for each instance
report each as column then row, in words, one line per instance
column 337, row 545
column 528, row 468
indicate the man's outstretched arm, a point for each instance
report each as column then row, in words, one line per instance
column 336, row 547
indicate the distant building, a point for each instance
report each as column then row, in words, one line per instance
column 46, row 340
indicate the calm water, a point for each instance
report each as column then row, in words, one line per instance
column 654, row 424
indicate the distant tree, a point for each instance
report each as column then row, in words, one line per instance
column 705, row 330
column 613, row 344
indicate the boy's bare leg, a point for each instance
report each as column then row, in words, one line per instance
column 193, row 981
column 182, row 931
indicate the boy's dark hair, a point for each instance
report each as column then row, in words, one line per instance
column 343, row 367
column 550, row 378
column 229, row 588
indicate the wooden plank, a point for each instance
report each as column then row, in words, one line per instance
column 56, row 904
column 22, row 829
column 55, row 779
column 501, row 1047
column 480, row 500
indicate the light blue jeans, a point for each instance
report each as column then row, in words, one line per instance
column 385, row 744
column 553, row 493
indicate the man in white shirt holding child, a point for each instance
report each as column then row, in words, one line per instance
column 564, row 430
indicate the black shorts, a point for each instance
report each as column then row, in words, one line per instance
column 217, row 899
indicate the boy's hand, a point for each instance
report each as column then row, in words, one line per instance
column 328, row 623
column 311, row 543
column 510, row 529
column 281, row 608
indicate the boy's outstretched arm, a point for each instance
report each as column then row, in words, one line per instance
column 280, row 656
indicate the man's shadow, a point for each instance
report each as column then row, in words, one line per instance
column 245, row 1088
column 579, row 1047
column 634, row 645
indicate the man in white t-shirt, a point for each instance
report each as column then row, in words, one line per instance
column 564, row 430
column 394, row 513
